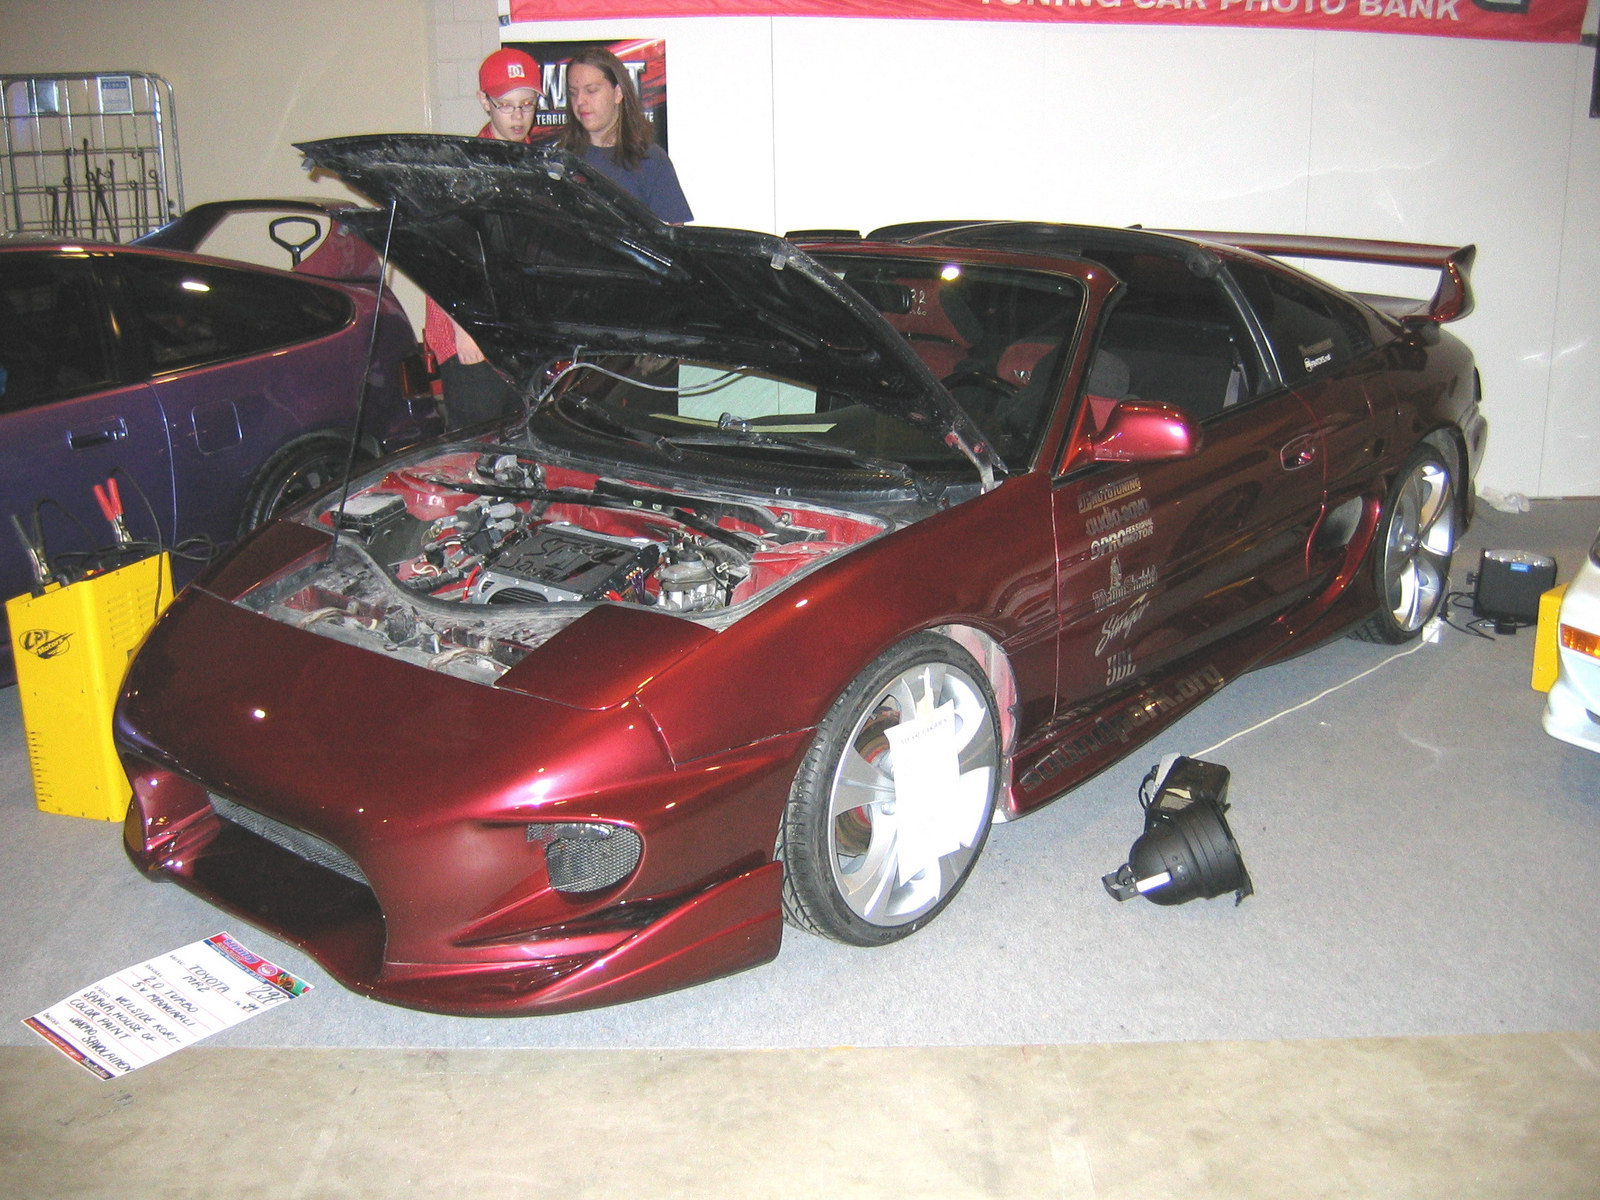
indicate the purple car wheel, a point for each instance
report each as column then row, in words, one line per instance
column 891, row 807
column 299, row 469
column 1415, row 541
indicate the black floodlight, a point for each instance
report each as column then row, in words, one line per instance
column 1187, row 849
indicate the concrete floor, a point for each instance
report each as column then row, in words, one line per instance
column 1461, row 1117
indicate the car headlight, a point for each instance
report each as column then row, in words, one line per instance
column 1580, row 640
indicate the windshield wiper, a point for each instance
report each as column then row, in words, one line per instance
column 602, row 416
column 730, row 433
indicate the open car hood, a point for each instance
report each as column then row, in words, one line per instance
column 541, row 258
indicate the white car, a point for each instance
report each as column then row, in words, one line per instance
column 1573, row 711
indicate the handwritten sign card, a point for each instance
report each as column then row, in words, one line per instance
column 164, row 1004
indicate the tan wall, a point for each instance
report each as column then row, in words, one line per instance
column 249, row 77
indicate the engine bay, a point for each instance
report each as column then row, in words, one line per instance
column 467, row 559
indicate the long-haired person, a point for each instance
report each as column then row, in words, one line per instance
column 607, row 127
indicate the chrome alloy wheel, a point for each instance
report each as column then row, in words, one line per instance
column 912, row 794
column 891, row 805
column 1418, row 545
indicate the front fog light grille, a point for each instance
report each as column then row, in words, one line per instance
column 586, row 856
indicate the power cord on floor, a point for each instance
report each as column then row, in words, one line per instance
column 1482, row 627
column 1206, row 753
column 1478, row 626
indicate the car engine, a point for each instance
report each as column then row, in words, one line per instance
column 463, row 562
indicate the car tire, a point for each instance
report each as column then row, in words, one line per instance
column 1412, row 548
column 847, row 837
column 295, row 471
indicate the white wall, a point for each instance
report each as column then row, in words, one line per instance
column 1570, row 450
column 795, row 122
column 1489, row 166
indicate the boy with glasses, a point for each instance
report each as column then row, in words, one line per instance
column 508, row 89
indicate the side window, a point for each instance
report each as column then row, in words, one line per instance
column 1173, row 337
column 52, row 330
column 194, row 313
column 1312, row 331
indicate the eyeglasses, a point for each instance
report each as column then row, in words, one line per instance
column 525, row 106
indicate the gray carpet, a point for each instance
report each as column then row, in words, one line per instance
column 1426, row 861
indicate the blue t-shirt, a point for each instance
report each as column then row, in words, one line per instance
column 653, row 181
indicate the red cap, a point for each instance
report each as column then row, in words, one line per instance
column 506, row 70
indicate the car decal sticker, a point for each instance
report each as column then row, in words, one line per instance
column 1113, row 517
column 1120, row 587
column 1118, row 624
column 1117, row 490
column 1314, row 356
column 1122, row 538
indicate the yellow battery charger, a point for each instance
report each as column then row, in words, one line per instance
column 1546, row 654
column 72, row 644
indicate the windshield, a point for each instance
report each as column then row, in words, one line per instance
column 678, row 407
column 996, row 337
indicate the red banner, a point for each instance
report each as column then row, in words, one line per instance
column 1504, row 20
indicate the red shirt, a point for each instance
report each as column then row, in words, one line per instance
column 438, row 330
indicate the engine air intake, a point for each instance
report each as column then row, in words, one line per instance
column 296, row 841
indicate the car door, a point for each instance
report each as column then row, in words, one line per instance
column 68, row 423
column 241, row 362
column 1159, row 560
column 1325, row 351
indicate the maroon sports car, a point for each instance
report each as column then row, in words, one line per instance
column 802, row 567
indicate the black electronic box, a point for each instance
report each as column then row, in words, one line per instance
column 1510, row 583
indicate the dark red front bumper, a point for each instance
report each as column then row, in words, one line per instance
column 381, row 817
column 727, row 928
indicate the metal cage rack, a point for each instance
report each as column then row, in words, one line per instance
column 89, row 155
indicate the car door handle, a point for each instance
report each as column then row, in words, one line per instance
column 113, row 431
column 1300, row 452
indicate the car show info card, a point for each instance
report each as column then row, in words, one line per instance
column 146, row 1012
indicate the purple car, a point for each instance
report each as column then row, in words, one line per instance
column 215, row 391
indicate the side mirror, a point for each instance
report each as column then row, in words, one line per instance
column 1145, row 431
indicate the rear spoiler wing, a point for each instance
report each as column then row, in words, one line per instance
column 1451, row 301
